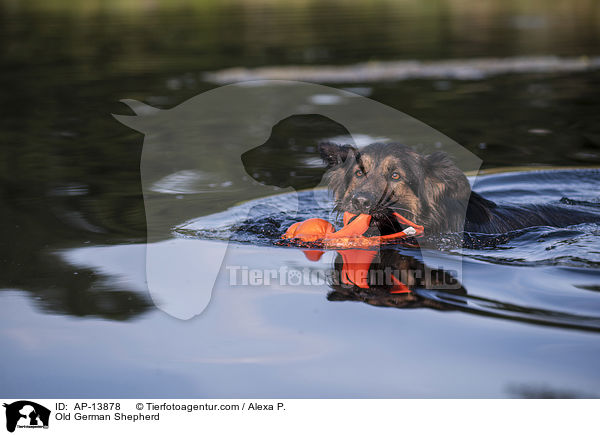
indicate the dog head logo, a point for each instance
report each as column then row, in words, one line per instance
column 26, row 414
column 297, row 136
column 206, row 155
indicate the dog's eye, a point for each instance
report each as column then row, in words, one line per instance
column 359, row 173
column 395, row 176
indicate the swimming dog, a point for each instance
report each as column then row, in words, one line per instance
column 383, row 178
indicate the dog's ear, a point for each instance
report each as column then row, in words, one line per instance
column 334, row 154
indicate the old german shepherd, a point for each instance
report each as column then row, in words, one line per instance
column 429, row 190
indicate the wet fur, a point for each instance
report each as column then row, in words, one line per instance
column 430, row 190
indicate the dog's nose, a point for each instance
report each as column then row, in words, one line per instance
column 361, row 202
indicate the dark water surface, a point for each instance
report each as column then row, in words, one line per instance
column 76, row 319
column 524, row 275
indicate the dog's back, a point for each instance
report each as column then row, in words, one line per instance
column 484, row 216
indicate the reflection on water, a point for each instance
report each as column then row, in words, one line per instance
column 266, row 341
column 556, row 295
column 459, row 69
column 545, row 392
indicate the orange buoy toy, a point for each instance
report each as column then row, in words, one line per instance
column 351, row 234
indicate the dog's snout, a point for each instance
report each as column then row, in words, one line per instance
column 362, row 202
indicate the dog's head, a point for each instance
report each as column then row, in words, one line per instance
column 383, row 178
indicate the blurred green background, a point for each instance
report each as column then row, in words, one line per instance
column 104, row 39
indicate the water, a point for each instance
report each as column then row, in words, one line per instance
column 72, row 273
column 554, row 271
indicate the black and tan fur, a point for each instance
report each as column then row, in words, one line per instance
column 430, row 190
